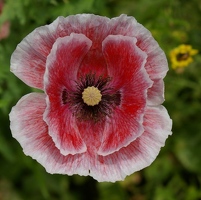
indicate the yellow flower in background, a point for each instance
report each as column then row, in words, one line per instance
column 182, row 56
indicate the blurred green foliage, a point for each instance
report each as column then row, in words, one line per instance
column 176, row 173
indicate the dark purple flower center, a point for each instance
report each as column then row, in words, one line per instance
column 83, row 111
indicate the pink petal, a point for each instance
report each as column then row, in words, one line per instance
column 26, row 124
column 62, row 65
column 31, row 131
column 156, row 92
column 93, row 27
column 156, row 64
column 98, row 28
column 29, row 58
column 131, row 139
column 126, row 67
column 140, row 153
column 157, row 68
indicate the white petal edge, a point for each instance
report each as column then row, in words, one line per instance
column 29, row 58
column 53, row 68
column 38, row 144
column 140, row 153
column 29, row 129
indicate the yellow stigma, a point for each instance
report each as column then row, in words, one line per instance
column 91, row 96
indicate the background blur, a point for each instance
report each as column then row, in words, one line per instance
column 176, row 173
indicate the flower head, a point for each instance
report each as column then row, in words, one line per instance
column 100, row 113
column 182, row 56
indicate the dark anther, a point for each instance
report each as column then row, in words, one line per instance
column 110, row 98
column 64, row 96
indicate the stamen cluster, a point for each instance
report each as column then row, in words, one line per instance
column 83, row 111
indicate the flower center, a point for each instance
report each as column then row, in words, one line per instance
column 91, row 96
column 182, row 56
column 92, row 99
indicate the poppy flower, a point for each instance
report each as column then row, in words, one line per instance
column 181, row 56
column 100, row 113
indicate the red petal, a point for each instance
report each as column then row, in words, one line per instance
column 31, row 131
column 140, row 153
column 156, row 67
column 98, row 28
column 62, row 65
column 29, row 58
column 92, row 26
column 95, row 28
column 156, row 64
column 126, row 67
column 27, row 125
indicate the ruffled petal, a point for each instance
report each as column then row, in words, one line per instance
column 26, row 124
column 126, row 68
column 29, row 58
column 31, row 131
column 101, row 27
column 132, row 135
column 156, row 67
column 156, row 64
column 140, row 153
column 61, row 73
column 93, row 27
column 156, row 61
column 156, row 92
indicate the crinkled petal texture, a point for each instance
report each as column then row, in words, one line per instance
column 126, row 63
column 31, row 131
column 53, row 58
column 29, row 59
column 66, row 56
